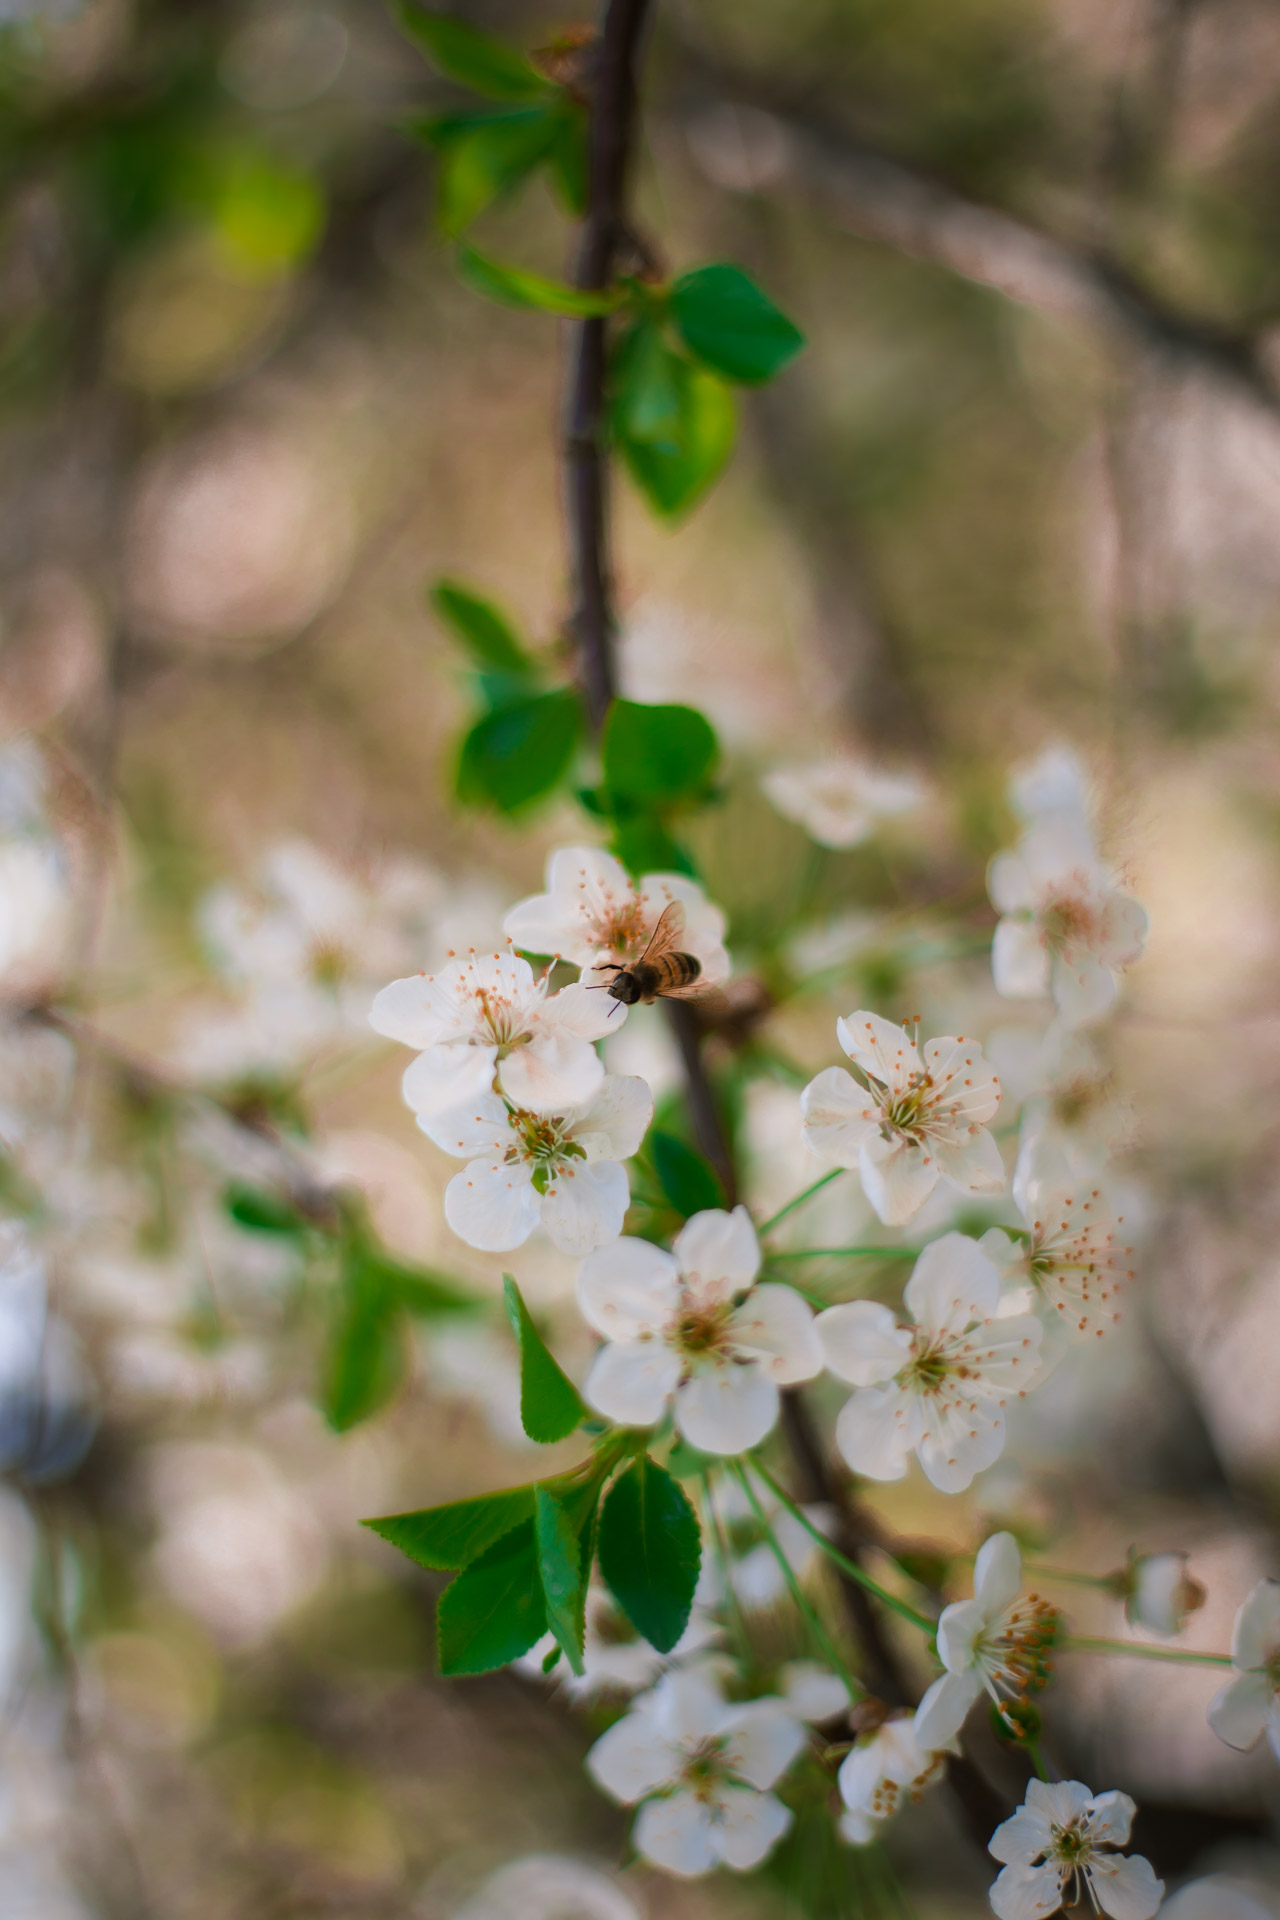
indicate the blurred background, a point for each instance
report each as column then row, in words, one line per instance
column 1022, row 487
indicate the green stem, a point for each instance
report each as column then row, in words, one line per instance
column 1104, row 1582
column 800, row 1199
column 804, row 1605
column 1079, row 1643
column 1037, row 1758
column 847, row 1253
column 720, row 1547
column 846, row 1566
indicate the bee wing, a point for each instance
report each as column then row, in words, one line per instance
column 713, row 1000
column 667, row 935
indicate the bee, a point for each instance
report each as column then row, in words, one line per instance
column 662, row 971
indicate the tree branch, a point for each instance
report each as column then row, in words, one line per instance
column 881, row 198
column 613, row 103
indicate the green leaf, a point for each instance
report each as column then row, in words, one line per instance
column 550, row 1406
column 365, row 1361
column 563, row 1523
column 472, row 58
column 425, row 1294
column 689, row 1181
column 484, row 631
column 494, row 1611
column 644, row 845
column 482, row 157
column 449, row 1537
column 520, row 752
column 650, row 1550
column 515, row 287
column 261, row 1211
column 672, row 459
column 727, row 321
column 659, row 754
column 567, row 158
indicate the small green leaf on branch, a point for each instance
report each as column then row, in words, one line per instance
column 520, row 752
column 472, row 58
column 516, row 287
column 650, row 1551
column 482, row 157
column 449, row 1537
column 485, row 632
column 494, row 1611
column 563, row 1520
column 687, row 1178
column 657, row 755
column 550, row 1405
column 725, row 318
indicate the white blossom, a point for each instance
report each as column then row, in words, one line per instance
column 558, row 1170
column 490, row 1015
column 692, row 1325
column 1159, row 1593
column 594, row 914
column 1249, row 1704
column 938, row 1388
column 1062, row 1848
column 841, row 802
column 812, row 1692
column 997, row 1642
column 1066, row 928
column 917, row 1120
column 884, row 1768
column 1069, row 1258
column 701, row 1769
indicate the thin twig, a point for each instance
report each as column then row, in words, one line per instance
column 586, row 464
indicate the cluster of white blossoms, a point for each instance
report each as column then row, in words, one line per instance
column 1066, row 927
column 695, row 1343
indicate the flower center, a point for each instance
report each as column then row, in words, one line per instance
column 330, row 964
column 906, row 1113
column 1072, row 1846
column 624, row 928
column 1068, row 920
column 700, row 1329
column 705, row 1767
column 1015, row 1653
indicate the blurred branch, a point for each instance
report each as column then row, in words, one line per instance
column 880, row 198
column 586, row 466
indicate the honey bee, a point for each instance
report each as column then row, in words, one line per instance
column 662, row 971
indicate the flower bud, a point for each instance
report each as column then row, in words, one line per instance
column 1158, row 1592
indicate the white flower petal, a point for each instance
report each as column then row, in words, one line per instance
column 862, row 1342
column 952, row 1284
column 632, row 1758
column 492, row 1206
column 1112, row 1817
column 1083, row 989
column 944, row 1708
column 838, row 1116
column 631, row 1381
column 897, row 1177
column 628, row 1288
column 448, row 1076
column 1238, row 1711
column 585, row 1205
column 1009, row 883
column 872, row 1437
column 955, row 1450
column 997, row 1573
column 763, row 1739
column 676, row 1834
column 973, row 1164
column 410, row 1010
column 1255, row 1637
column 774, row 1328
column 483, row 1127
column 749, row 1827
column 1026, row 1892
column 616, row 1121
column 1125, row 1887
column 884, row 1051
column 1020, row 962
column 721, row 1249
column 812, row 1692
column 727, row 1409
column 555, row 1072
